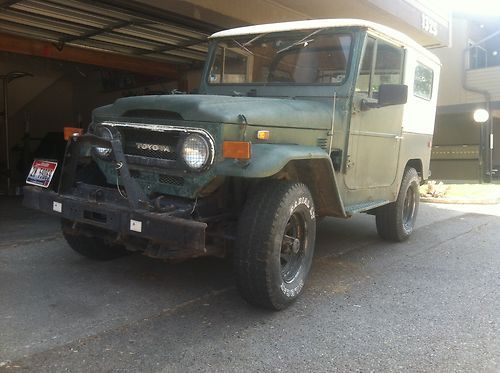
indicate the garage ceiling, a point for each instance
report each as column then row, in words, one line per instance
column 116, row 26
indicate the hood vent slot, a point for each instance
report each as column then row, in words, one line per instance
column 322, row 142
column 152, row 114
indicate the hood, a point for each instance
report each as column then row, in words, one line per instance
column 279, row 112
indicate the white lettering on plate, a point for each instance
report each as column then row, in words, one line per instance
column 136, row 225
column 57, row 206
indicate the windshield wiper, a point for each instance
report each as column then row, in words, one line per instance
column 242, row 46
column 254, row 39
column 298, row 42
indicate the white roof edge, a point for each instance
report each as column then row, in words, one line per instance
column 326, row 23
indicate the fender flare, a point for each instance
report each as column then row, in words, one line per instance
column 311, row 165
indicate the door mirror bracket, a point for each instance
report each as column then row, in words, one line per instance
column 389, row 94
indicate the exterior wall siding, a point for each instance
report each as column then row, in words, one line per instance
column 450, row 85
column 455, row 128
column 487, row 79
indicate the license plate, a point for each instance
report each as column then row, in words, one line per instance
column 41, row 173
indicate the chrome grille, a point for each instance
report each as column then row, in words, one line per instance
column 151, row 144
column 172, row 180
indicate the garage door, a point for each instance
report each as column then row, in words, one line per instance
column 56, row 27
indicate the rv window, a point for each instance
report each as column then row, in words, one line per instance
column 422, row 86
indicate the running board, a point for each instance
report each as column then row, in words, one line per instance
column 365, row 206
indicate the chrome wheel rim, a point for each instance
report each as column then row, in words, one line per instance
column 409, row 209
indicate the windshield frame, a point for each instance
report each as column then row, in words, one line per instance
column 353, row 34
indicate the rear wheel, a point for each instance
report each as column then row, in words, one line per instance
column 396, row 221
column 275, row 244
column 91, row 247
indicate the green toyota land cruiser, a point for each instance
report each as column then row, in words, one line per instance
column 294, row 121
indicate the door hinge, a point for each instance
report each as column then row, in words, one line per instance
column 349, row 162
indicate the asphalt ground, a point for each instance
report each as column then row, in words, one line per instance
column 431, row 304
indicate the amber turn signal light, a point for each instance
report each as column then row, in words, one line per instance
column 263, row 135
column 237, row 149
column 71, row 131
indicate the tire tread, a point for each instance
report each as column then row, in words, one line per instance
column 92, row 247
column 388, row 220
column 253, row 246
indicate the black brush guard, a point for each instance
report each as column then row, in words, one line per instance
column 135, row 221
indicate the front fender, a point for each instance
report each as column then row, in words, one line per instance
column 312, row 164
column 268, row 160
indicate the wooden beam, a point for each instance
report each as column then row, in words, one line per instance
column 39, row 48
column 7, row 3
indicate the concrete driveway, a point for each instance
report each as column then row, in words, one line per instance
column 429, row 304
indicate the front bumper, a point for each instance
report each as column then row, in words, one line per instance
column 158, row 234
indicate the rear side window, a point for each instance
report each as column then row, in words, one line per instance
column 424, row 78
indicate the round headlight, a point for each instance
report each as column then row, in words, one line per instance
column 195, row 151
column 106, row 134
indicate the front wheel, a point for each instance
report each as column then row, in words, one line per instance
column 275, row 244
column 94, row 248
column 396, row 220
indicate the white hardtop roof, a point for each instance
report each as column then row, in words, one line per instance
column 325, row 23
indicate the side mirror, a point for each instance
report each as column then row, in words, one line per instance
column 392, row 94
column 388, row 94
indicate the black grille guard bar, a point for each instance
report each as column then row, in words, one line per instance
column 75, row 150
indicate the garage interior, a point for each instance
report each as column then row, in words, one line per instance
column 62, row 58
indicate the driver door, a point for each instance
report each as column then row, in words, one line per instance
column 375, row 133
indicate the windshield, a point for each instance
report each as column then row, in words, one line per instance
column 303, row 57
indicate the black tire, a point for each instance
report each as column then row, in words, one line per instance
column 94, row 248
column 396, row 220
column 275, row 244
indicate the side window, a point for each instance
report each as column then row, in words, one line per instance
column 422, row 86
column 388, row 65
column 382, row 63
column 365, row 72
